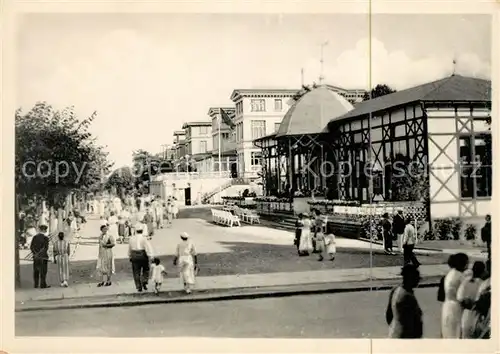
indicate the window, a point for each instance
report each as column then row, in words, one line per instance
column 258, row 129
column 239, row 132
column 276, row 127
column 258, row 105
column 255, row 160
column 203, row 130
column 278, row 105
column 476, row 170
column 215, row 142
column 203, row 146
column 239, row 107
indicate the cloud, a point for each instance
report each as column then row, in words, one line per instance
column 351, row 69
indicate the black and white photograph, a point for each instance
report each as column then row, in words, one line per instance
column 253, row 175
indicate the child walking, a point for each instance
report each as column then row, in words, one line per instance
column 157, row 273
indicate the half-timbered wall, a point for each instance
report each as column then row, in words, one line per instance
column 396, row 135
column 459, row 141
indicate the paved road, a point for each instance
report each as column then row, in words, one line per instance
column 343, row 315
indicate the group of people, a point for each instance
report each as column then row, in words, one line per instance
column 145, row 266
column 313, row 236
column 465, row 294
column 136, row 224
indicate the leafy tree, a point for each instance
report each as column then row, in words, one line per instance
column 121, row 181
column 55, row 154
column 378, row 91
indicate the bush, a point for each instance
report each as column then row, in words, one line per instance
column 448, row 228
column 245, row 193
column 470, row 232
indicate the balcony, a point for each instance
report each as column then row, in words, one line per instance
column 191, row 175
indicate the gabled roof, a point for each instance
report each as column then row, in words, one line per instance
column 238, row 93
column 312, row 112
column 451, row 88
column 197, row 124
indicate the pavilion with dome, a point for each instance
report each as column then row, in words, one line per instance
column 322, row 146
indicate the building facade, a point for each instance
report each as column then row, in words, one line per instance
column 258, row 113
column 436, row 134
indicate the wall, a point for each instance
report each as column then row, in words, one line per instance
column 444, row 127
column 194, row 137
column 245, row 145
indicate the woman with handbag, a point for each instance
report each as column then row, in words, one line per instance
column 105, row 260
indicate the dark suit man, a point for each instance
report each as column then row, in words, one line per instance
column 486, row 234
column 40, row 247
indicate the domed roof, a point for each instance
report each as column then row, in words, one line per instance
column 312, row 112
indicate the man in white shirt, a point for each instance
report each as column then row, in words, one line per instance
column 140, row 253
column 409, row 242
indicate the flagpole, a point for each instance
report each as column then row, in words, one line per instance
column 220, row 145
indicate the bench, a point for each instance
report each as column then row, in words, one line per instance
column 247, row 215
column 223, row 217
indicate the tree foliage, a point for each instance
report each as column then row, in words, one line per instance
column 378, row 91
column 55, row 154
column 121, row 181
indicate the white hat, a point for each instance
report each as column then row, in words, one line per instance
column 184, row 235
column 139, row 226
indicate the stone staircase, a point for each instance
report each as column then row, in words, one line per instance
column 233, row 182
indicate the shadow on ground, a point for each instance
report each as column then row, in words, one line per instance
column 244, row 258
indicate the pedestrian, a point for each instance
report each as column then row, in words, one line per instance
column 40, row 250
column 157, row 272
column 385, row 223
column 398, row 228
column 486, row 234
column 159, row 214
column 305, row 245
column 121, row 229
column 466, row 295
column 105, row 259
column 298, row 231
column 317, row 238
column 403, row 314
column 175, row 208
column 482, row 307
column 149, row 221
column 331, row 248
column 187, row 261
column 451, row 315
column 113, row 225
column 170, row 212
column 409, row 242
column 61, row 258
column 140, row 254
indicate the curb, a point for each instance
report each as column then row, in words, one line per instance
column 233, row 294
column 416, row 249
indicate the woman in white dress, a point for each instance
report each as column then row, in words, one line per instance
column 451, row 315
column 175, row 208
column 466, row 295
column 113, row 226
column 187, row 261
column 305, row 243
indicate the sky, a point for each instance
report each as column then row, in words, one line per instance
column 147, row 74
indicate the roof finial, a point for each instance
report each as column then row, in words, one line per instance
column 454, row 66
column 301, row 77
column 321, row 77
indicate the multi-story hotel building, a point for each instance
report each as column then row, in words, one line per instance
column 258, row 112
column 199, row 144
